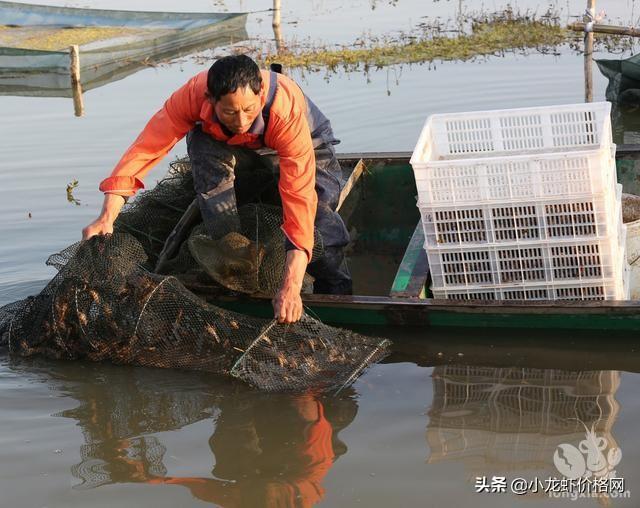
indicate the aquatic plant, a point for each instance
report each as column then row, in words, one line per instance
column 464, row 38
column 486, row 37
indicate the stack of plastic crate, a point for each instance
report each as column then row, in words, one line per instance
column 522, row 204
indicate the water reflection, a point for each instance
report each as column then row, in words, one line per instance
column 25, row 78
column 267, row 449
column 501, row 420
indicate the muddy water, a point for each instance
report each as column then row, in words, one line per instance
column 415, row 431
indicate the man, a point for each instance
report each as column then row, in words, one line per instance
column 230, row 114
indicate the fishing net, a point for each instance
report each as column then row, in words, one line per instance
column 243, row 251
column 101, row 464
column 104, row 305
column 624, row 79
column 247, row 251
column 151, row 217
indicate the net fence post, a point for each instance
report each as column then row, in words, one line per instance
column 76, row 84
column 588, row 50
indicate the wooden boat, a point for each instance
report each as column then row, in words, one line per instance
column 390, row 269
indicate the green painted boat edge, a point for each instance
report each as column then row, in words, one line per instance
column 387, row 311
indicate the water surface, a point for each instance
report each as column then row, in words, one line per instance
column 414, row 431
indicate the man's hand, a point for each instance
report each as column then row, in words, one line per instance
column 103, row 225
column 287, row 304
column 99, row 226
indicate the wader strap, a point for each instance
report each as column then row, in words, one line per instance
column 266, row 111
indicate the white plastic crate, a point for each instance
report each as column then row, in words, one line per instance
column 516, row 154
column 567, row 272
column 590, row 217
column 515, row 178
column 541, row 130
column 545, row 262
column 607, row 289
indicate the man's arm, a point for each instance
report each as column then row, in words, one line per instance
column 287, row 304
column 162, row 132
column 291, row 138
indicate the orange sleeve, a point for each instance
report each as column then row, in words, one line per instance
column 291, row 138
column 168, row 126
column 317, row 448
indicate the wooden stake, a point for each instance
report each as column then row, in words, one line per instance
column 276, row 25
column 76, row 85
column 588, row 52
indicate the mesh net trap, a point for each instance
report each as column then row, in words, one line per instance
column 106, row 304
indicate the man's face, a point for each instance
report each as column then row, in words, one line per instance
column 238, row 110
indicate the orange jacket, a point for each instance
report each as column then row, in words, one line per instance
column 287, row 133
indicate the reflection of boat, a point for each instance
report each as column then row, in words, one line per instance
column 264, row 446
column 390, row 269
column 138, row 39
column 504, row 419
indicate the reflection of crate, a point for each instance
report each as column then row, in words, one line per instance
column 500, row 419
column 481, row 224
column 522, row 399
column 591, row 382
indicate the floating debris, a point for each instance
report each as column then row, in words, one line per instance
column 70, row 188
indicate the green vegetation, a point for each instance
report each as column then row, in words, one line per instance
column 486, row 37
column 477, row 35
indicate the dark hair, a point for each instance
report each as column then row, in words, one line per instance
column 232, row 72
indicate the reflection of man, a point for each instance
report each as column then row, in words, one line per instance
column 269, row 449
column 276, row 468
column 227, row 113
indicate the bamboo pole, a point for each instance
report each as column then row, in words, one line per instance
column 276, row 25
column 76, row 85
column 606, row 29
column 588, row 52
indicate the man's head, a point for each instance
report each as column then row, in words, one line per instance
column 234, row 88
